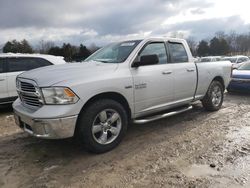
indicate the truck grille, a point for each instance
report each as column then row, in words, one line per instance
column 27, row 87
column 28, row 94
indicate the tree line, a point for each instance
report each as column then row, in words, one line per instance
column 68, row 51
column 222, row 44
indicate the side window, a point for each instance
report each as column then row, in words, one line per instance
column 1, row 65
column 157, row 48
column 17, row 65
column 43, row 62
column 177, row 52
column 240, row 60
column 245, row 59
column 34, row 63
column 25, row 64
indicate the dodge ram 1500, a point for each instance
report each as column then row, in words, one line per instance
column 131, row 81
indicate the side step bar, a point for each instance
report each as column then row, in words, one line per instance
column 161, row 116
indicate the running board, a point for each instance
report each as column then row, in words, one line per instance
column 161, row 116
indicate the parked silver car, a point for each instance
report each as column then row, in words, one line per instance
column 210, row 59
column 236, row 60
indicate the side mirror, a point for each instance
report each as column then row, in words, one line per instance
column 146, row 60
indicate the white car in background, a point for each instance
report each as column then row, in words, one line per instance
column 236, row 60
column 210, row 59
column 12, row 65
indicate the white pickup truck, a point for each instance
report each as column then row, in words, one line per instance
column 137, row 80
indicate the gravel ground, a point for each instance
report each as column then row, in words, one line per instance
column 193, row 149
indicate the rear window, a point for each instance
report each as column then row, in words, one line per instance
column 178, row 53
column 25, row 64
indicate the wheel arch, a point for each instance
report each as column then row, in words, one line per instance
column 109, row 95
column 221, row 80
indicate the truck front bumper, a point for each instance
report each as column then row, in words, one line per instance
column 48, row 128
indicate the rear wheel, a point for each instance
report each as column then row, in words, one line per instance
column 214, row 97
column 102, row 125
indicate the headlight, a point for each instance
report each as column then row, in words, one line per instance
column 59, row 95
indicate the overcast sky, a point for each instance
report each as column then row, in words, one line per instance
column 103, row 21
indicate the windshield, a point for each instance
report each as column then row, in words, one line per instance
column 233, row 60
column 245, row 66
column 115, row 52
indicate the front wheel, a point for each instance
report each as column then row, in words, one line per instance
column 102, row 125
column 214, row 97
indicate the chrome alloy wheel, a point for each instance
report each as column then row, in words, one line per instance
column 216, row 96
column 106, row 126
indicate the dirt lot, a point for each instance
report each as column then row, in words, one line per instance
column 193, row 149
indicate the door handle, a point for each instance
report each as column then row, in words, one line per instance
column 2, row 79
column 167, row 72
column 190, row 70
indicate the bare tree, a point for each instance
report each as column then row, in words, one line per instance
column 92, row 47
column 220, row 35
column 193, row 45
column 44, row 46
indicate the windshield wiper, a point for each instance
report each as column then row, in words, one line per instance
column 100, row 60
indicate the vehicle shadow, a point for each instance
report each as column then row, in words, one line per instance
column 6, row 108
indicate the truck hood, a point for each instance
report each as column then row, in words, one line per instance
column 55, row 74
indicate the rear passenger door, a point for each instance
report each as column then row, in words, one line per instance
column 185, row 75
column 16, row 66
column 3, row 80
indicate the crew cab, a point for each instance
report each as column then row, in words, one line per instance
column 12, row 64
column 131, row 81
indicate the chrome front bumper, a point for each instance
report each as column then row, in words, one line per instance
column 47, row 128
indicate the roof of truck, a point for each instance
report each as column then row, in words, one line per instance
column 164, row 38
column 154, row 38
column 53, row 59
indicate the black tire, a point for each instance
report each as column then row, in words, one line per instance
column 90, row 115
column 210, row 102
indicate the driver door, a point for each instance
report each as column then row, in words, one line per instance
column 153, row 84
